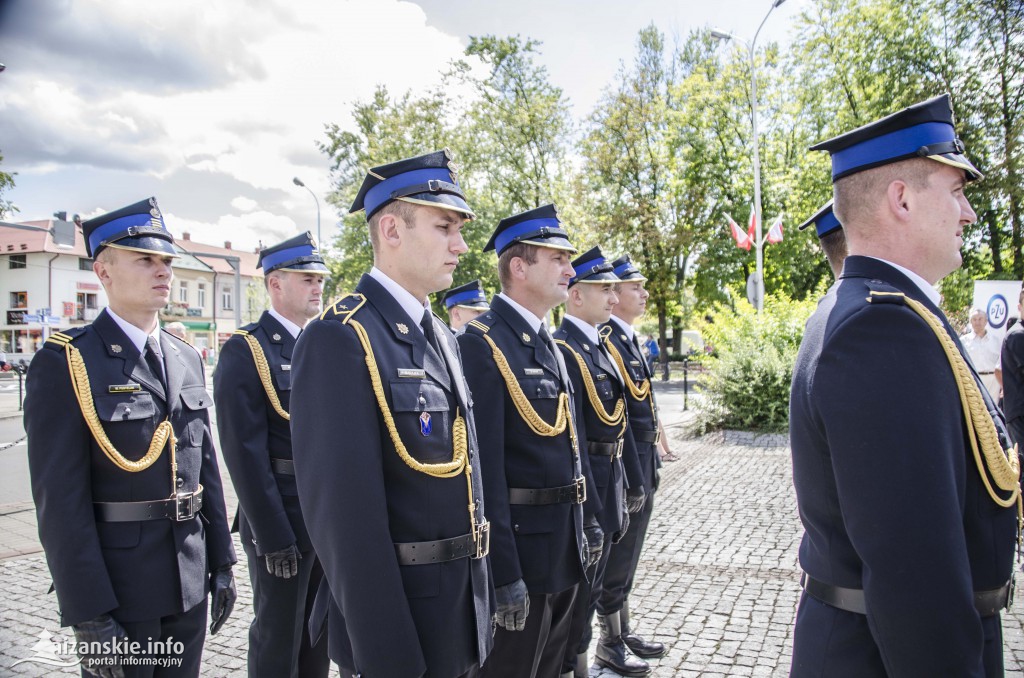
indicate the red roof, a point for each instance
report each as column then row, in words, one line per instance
column 247, row 260
column 19, row 241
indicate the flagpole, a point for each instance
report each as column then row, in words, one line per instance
column 759, row 275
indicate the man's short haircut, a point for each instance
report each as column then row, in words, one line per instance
column 1020, row 299
column 834, row 246
column 855, row 194
column 403, row 210
column 527, row 253
column 976, row 311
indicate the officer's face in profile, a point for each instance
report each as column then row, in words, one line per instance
column 632, row 300
column 424, row 254
column 547, row 279
column 942, row 212
column 592, row 302
column 297, row 294
column 136, row 282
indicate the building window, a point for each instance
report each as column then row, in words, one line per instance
column 19, row 299
column 183, row 292
column 18, row 260
column 86, row 307
column 227, row 298
column 201, row 294
column 84, row 264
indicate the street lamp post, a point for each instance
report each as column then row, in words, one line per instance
column 298, row 182
column 758, row 244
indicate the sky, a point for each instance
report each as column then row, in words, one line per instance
column 213, row 107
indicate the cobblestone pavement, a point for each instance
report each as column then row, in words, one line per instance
column 718, row 581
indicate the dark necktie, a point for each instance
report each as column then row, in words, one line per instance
column 427, row 323
column 152, row 357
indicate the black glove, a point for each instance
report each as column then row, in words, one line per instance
column 222, row 597
column 284, row 563
column 102, row 629
column 595, row 541
column 617, row 537
column 513, row 606
column 635, row 499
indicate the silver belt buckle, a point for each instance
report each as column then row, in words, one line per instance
column 482, row 537
column 186, row 506
column 581, row 489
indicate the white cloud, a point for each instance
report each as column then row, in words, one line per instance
column 244, row 232
column 243, row 204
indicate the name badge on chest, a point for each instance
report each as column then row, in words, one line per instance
column 130, row 387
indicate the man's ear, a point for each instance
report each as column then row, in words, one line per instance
column 899, row 199
column 389, row 230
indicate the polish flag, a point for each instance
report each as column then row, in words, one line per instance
column 743, row 240
column 775, row 232
column 752, row 226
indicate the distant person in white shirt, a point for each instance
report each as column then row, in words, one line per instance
column 983, row 347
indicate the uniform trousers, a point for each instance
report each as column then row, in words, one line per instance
column 187, row 628
column 1016, row 430
column 279, row 643
column 623, row 561
column 583, row 610
column 537, row 650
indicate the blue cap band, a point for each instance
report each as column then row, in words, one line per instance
column 588, row 266
column 468, row 295
column 510, row 234
column 624, row 269
column 903, row 142
column 827, row 223
column 277, row 258
column 112, row 228
column 381, row 193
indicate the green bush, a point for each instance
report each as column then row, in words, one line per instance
column 747, row 384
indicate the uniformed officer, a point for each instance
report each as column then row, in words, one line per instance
column 532, row 464
column 385, row 449
column 905, row 489
column 645, row 426
column 124, row 472
column 252, row 386
column 611, row 452
column 830, row 235
column 464, row 303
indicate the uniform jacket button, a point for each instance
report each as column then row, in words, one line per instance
column 181, row 481
column 516, row 527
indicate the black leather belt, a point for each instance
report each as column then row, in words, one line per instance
column 645, row 436
column 575, row 493
column 441, row 551
column 180, row 508
column 282, row 467
column 605, row 449
column 987, row 603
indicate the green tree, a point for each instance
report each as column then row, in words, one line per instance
column 6, row 183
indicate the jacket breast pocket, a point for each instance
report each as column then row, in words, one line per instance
column 282, row 378
column 604, row 388
column 124, row 406
column 540, row 388
column 421, row 412
column 195, row 400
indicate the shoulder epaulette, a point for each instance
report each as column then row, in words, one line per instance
column 58, row 340
column 344, row 308
column 882, row 292
column 483, row 322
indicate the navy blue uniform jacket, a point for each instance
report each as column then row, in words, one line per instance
column 608, row 472
column 252, row 432
column 542, row 545
column 134, row 570
column 889, row 493
column 643, row 413
column 359, row 497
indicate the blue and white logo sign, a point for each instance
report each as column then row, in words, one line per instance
column 997, row 311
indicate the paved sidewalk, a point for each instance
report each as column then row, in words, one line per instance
column 718, row 581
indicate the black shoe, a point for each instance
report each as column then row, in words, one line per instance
column 610, row 652
column 637, row 645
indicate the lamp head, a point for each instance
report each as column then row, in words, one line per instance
column 298, row 182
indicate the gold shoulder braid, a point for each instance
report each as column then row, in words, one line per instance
column 164, row 434
column 263, row 370
column 1004, row 466
column 637, row 393
column 460, row 456
column 618, row 415
column 563, row 416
